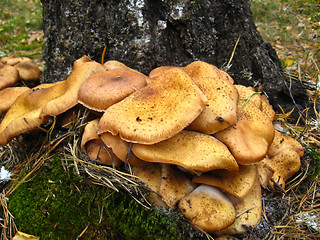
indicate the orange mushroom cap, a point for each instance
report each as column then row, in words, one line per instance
column 156, row 112
column 102, row 90
column 8, row 96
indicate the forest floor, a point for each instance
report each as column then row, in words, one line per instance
column 293, row 29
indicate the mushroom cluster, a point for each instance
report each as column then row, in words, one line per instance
column 199, row 142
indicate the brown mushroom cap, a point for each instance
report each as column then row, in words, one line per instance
column 66, row 93
column 102, row 90
column 208, row 208
column 14, row 60
column 28, row 71
column 249, row 210
column 248, row 96
column 267, row 108
column 250, row 138
column 8, row 76
column 238, row 185
column 200, row 69
column 174, row 185
column 161, row 70
column 285, row 164
column 221, row 110
column 151, row 175
column 8, row 96
column 156, row 112
column 190, row 150
column 121, row 148
column 282, row 141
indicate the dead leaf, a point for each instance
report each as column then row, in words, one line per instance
column 24, row 236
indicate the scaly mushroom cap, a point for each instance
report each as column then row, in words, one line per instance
column 250, row 210
column 248, row 96
column 174, row 185
column 239, row 185
column 93, row 146
column 285, row 164
column 14, row 60
column 221, row 110
column 199, row 69
column 25, row 112
column 267, row 108
column 121, row 148
column 190, row 150
column 249, row 139
column 28, row 71
column 208, row 208
column 8, row 76
column 282, row 141
column 8, row 96
column 102, row 90
column 67, row 92
column 156, row 112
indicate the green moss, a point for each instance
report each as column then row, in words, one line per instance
column 314, row 155
column 55, row 204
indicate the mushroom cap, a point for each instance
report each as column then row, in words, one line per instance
column 93, row 146
column 267, row 108
column 174, row 185
column 248, row 96
column 252, row 203
column 8, row 76
column 151, row 175
column 161, row 70
column 208, row 208
column 121, row 148
column 221, row 110
column 250, row 138
column 239, row 185
column 102, row 90
column 14, row 60
column 25, row 112
column 8, row 96
column 28, row 71
column 200, row 69
column 156, row 112
column 190, row 150
column 282, row 141
column 285, row 164
column 66, row 93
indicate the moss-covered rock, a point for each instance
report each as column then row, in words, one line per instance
column 58, row 204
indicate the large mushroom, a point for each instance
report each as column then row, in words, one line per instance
column 190, row 150
column 156, row 112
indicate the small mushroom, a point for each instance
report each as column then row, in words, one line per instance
column 208, row 209
column 265, row 172
column 102, row 90
column 8, row 76
column 285, row 164
column 28, row 71
column 190, row 150
column 239, row 185
column 282, row 141
column 248, row 210
column 14, row 60
column 156, row 112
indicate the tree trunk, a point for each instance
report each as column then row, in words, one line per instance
column 144, row 34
